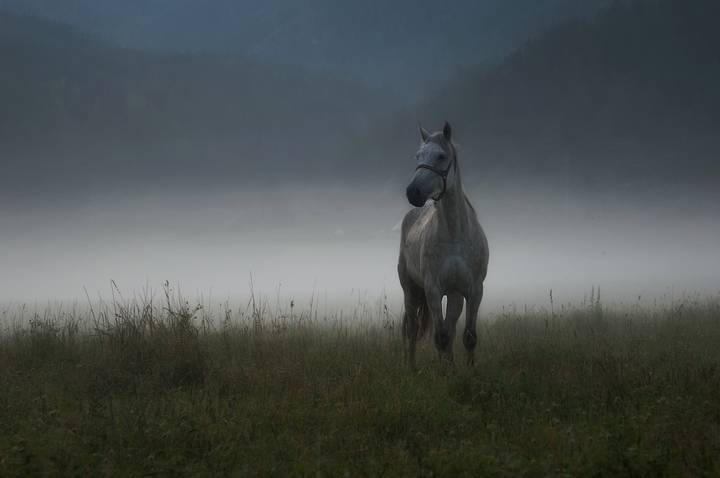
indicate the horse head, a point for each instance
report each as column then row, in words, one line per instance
column 435, row 160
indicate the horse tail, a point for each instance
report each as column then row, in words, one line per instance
column 424, row 324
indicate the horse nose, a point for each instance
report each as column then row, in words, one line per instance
column 414, row 196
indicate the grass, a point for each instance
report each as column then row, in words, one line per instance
column 133, row 389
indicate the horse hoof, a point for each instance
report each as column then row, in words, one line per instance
column 470, row 339
column 446, row 359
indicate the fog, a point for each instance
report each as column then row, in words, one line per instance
column 339, row 244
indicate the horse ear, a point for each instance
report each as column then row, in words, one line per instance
column 447, row 131
column 424, row 134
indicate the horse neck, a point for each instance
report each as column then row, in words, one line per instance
column 453, row 206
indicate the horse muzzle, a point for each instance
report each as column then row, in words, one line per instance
column 415, row 196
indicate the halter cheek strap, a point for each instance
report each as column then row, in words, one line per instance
column 443, row 173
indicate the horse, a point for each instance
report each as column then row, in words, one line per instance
column 443, row 250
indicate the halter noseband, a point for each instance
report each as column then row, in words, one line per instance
column 443, row 173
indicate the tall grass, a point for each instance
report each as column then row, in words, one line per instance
column 161, row 386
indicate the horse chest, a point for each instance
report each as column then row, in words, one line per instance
column 451, row 264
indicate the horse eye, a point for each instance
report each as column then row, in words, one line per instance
column 442, row 157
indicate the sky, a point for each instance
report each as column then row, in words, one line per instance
column 206, row 144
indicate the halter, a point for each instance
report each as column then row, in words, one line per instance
column 443, row 173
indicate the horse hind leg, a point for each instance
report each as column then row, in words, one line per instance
column 470, row 334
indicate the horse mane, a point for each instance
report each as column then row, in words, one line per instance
column 467, row 201
column 454, row 148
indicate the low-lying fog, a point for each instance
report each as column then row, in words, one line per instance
column 341, row 242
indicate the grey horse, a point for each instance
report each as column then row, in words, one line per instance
column 443, row 250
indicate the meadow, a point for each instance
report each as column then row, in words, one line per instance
column 159, row 386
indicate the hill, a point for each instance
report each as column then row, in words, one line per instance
column 618, row 103
column 76, row 109
column 629, row 94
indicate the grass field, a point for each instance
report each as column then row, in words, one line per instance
column 131, row 389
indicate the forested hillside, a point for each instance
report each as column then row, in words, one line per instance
column 636, row 87
column 626, row 98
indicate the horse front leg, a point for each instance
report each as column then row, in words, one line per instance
column 442, row 336
column 452, row 314
column 414, row 299
column 470, row 335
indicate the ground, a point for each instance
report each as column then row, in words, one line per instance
column 164, row 390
